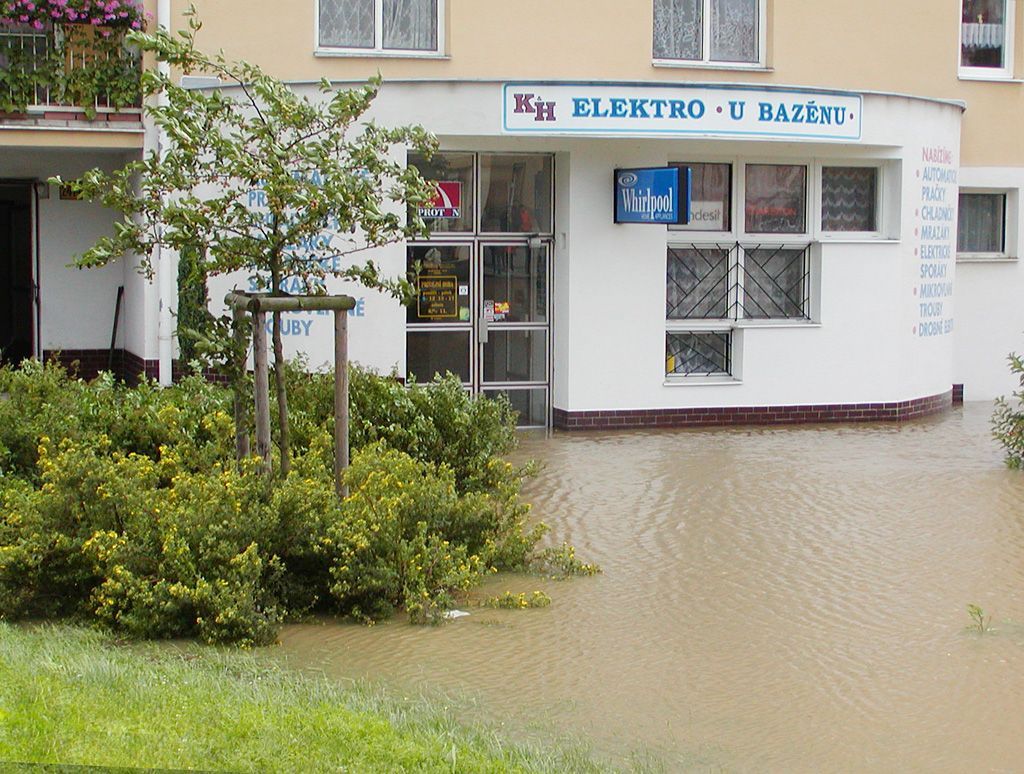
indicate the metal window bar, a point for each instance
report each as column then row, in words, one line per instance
column 776, row 282
column 698, row 353
column 732, row 281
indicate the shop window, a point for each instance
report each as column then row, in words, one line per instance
column 722, row 32
column 698, row 282
column 849, row 199
column 981, row 225
column 775, row 199
column 738, row 282
column 369, row 26
column 986, row 38
column 710, row 197
column 452, row 209
column 515, row 194
column 698, row 353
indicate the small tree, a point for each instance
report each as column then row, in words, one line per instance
column 314, row 163
column 1008, row 419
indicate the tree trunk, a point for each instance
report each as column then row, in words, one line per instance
column 285, row 442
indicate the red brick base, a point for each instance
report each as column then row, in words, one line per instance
column 753, row 415
column 127, row 366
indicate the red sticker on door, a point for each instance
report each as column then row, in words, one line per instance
column 447, row 202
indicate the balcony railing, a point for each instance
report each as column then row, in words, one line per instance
column 57, row 69
column 736, row 281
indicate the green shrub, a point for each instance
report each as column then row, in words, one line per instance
column 125, row 506
column 44, row 401
column 438, row 422
column 1008, row 419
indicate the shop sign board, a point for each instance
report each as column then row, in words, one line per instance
column 645, row 110
column 447, row 201
column 657, row 195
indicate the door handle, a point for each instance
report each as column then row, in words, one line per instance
column 482, row 330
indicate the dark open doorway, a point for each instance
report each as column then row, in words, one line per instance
column 16, row 282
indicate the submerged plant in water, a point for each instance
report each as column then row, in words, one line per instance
column 521, row 601
column 980, row 623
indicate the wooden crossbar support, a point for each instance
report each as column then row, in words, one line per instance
column 258, row 306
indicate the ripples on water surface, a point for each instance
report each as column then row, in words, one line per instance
column 773, row 598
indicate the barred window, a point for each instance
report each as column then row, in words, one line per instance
column 698, row 353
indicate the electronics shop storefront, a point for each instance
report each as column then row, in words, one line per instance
column 813, row 280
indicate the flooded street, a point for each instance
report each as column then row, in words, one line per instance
column 785, row 598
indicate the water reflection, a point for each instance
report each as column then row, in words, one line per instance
column 773, row 598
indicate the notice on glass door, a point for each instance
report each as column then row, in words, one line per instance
column 438, row 297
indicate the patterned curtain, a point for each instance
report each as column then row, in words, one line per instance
column 848, row 196
column 734, row 31
column 346, row 23
column 677, row 29
column 410, row 24
column 981, row 223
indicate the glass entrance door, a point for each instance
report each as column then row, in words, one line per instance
column 482, row 312
column 513, row 328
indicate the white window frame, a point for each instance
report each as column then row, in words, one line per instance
column 706, row 62
column 1004, row 73
column 1010, row 207
column 378, row 49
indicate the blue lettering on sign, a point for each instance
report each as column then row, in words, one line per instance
column 659, row 195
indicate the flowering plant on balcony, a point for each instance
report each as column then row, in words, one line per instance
column 40, row 14
column 69, row 53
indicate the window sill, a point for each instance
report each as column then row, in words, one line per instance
column 740, row 324
column 683, row 63
column 701, row 381
column 986, row 258
column 990, row 78
column 375, row 54
column 685, row 326
column 826, row 239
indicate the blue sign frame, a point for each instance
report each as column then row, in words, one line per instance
column 652, row 195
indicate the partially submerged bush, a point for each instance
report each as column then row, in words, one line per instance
column 439, row 422
column 1008, row 419
column 125, row 506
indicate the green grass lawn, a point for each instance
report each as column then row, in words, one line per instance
column 72, row 696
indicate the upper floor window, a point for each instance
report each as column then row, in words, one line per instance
column 726, row 32
column 369, row 26
column 986, row 38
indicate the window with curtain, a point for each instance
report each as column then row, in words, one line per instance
column 379, row 25
column 776, row 199
column 708, row 31
column 984, row 34
column 849, row 199
column 981, row 224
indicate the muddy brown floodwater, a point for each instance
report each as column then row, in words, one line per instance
column 780, row 599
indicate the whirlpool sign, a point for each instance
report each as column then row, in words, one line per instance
column 659, row 195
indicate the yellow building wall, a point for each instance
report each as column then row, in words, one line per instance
column 909, row 46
